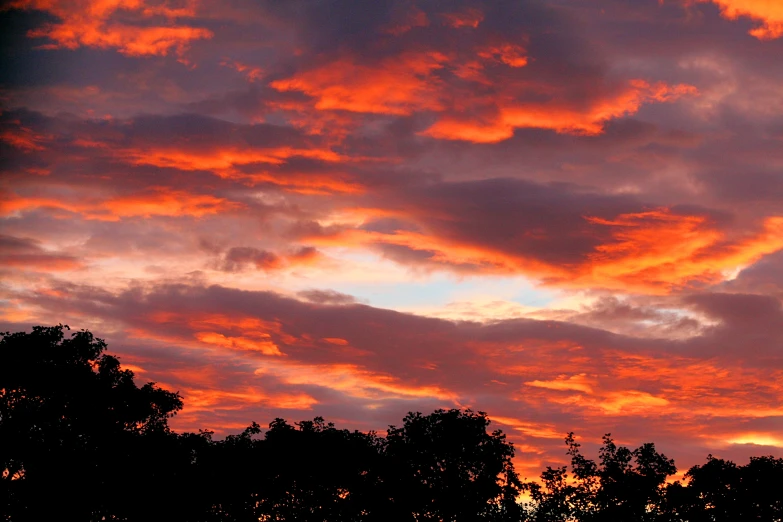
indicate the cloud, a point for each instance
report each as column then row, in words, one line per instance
column 571, row 382
column 763, row 277
column 478, row 89
column 769, row 13
column 157, row 201
column 326, row 297
column 97, row 23
column 238, row 258
column 430, row 81
column 469, row 17
column 397, row 86
column 592, row 192
column 27, row 254
column 22, row 138
column 586, row 120
column 248, row 352
column 553, row 233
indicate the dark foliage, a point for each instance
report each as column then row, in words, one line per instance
column 624, row 485
column 77, row 435
column 80, row 441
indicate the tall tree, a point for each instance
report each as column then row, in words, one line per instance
column 722, row 491
column 75, row 430
column 625, row 485
column 446, row 466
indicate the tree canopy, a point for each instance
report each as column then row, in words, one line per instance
column 80, row 440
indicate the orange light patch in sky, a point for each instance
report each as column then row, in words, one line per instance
column 470, row 17
column 251, row 72
column 244, row 325
column 508, row 53
column 355, row 381
column 660, row 249
column 538, row 430
column 262, row 344
column 210, row 399
column 158, row 201
column 23, row 138
column 351, row 379
column 654, row 252
column 398, row 85
column 43, row 262
column 312, row 183
column 573, row 382
column 760, row 439
column 588, row 120
column 769, row 12
column 221, row 160
column 88, row 23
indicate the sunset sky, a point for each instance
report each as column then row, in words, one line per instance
column 565, row 213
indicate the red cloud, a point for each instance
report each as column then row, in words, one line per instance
column 662, row 250
column 398, row 85
column 157, row 201
column 655, row 251
column 540, row 378
column 470, row 17
column 768, row 12
column 584, row 119
column 94, row 23
column 435, row 82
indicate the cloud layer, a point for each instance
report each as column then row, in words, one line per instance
column 567, row 214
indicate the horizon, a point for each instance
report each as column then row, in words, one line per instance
column 565, row 214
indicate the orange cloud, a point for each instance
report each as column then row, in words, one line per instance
column 238, row 258
column 210, row 400
column 574, row 383
column 91, row 23
column 23, row 138
column 251, row 72
column 262, row 344
column 355, row 381
column 45, row 262
column 245, row 333
column 312, row 183
column 399, row 85
column 760, row 439
column 659, row 249
column 335, row 340
column 586, row 120
column 240, row 162
column 225, row 162
column 158, row 201
column 469, row 17
column 768, row 12
column 241, row 325
column 223, row 159
column 543, row 431
column 656, row 251
column 432, row 81
column 508, row 53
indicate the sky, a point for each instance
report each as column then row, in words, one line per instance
column 565, row 213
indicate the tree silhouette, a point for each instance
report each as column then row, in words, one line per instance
column 624, row 485
column 721, row 491
column 80, row 441
column 320, row 473
column 445, row 466
column 75, row 427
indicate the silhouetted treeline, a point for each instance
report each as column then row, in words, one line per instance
column 79, row 440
